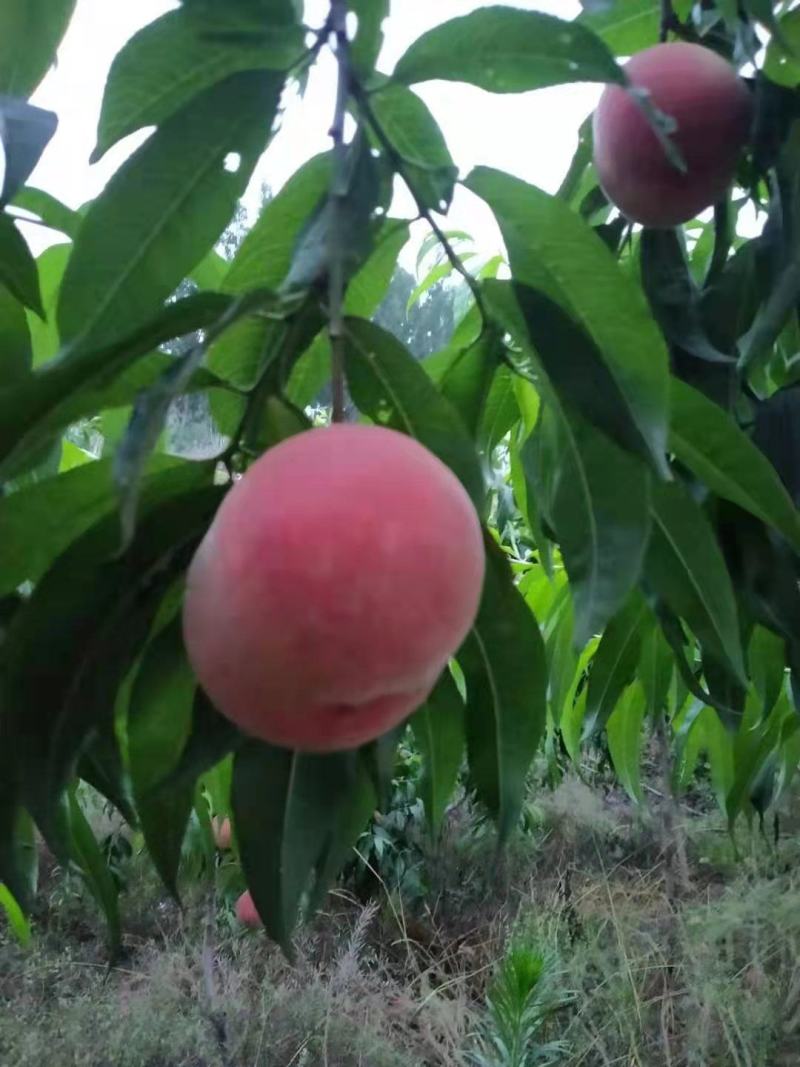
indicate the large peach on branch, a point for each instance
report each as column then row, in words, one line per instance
column 338, row 577
column 711, row 108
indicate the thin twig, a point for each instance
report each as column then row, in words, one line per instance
column 399, row 164
column 337, row 234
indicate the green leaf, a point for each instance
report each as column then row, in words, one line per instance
column 15, row 340
column 83, row 382
column 366, row 44
column 264, row 259
column 506, row 50
column 364, row 294
column 500, row 410
column 30, row 32
column 52, row 212
column 20, row 927
column 673, row 295
column 766, row 658
column 614, row 663
column 45, row 339
column 163, row 209
column 707, row 440
column 782, row 64
column 152, row 406
column 176, row 58
column 626, row 26
column 598, row 505
column 504, row 666
column 439, row 732
column 18, row 267
column 684, row 565
column 211, row 739
column 159, row 724
column 388, row 385
column 37, row 523
column 94, row 868
column 752, row 752
column 413, row 132
column 625, row 738
column 68, row 649
column 554, row 251
column 467, row 381
column 285, row 808
column 656, row 669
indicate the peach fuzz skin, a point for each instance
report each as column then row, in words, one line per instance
column 336, row 580
column 712, row 109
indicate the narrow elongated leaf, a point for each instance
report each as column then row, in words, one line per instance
column 15, row 340
column 177, row 57
column 264, row 259
column 66, row 653
column 18, row 267
column 94, row 868
column 628, row 26
column 614, row 663
column 751, row 756
column 389, row 385
column 625, row 739
column 37, row 523
column 211, row 739
column 30, row 32
column 163, row 210
column 553, row 250
column 685, row 567
column 673, row 295
column 83, row 382
column 159, row 724
column 707, row 440
column 468, row 378
column 366, row 44
column 20, row 927
column 506, row 50
column 50, row 210
column 766, row 657
column 439, row 732
column 656, row 668
column 415, row 135
column 504, row 666
column 285, row 808
column 598, row 504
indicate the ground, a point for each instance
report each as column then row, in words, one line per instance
column 641, row 968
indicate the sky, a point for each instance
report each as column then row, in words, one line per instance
column 531, row 135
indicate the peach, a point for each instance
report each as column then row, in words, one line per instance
column 246, row 911
column 222, row 833
column 712, row 109
column 336, row 580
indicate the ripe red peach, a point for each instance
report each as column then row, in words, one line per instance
column 712, row 109
column 336, row 580
column 246, row 911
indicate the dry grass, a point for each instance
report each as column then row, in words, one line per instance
column 710, row 980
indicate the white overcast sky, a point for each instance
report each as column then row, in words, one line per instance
column 531, row 135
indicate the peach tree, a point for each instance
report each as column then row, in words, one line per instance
column 619, row 402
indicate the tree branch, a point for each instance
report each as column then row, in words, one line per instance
column 399, row 164
column 337, row 236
